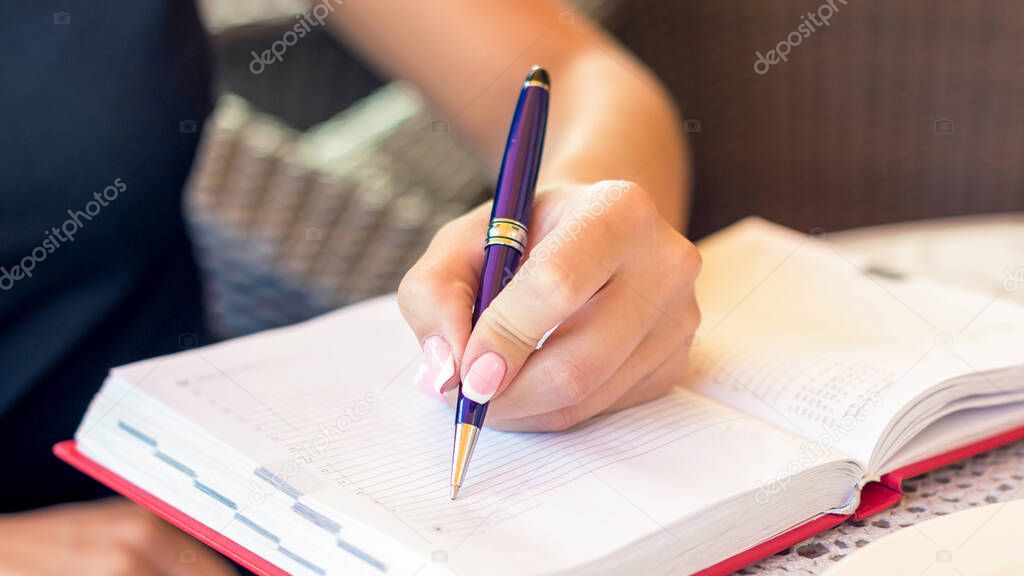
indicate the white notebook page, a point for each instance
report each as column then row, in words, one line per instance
column 329, row 408
column 797, row 333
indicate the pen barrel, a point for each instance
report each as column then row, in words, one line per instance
column 513, row 197
column 500, row 263
column 510, row 213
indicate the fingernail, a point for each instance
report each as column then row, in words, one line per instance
column 483, row 378
column 437, row 367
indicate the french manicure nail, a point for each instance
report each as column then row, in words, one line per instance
column 483, row 378
column 437, row 367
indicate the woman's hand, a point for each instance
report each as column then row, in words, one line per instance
column 603, row 266
column 109, row 537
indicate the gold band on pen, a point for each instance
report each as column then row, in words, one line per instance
column 507, row 232
column 536, row 83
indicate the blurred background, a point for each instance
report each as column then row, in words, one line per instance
column 319, row 182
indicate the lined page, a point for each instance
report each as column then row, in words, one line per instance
column 328, row 411
column 799, row 334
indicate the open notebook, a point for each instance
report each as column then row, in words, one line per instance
column 309, row 447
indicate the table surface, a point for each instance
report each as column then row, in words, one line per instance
column 981, row 253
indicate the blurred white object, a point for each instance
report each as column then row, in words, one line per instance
column 221, row 14
column 979, row 542
column 983, row 253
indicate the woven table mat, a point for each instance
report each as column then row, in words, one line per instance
column 996, row 476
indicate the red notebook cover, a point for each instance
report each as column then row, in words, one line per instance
column 875, row 497
column 68, row 452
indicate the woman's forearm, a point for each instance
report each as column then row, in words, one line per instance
column 621, row 291
column 616, row 122
column 610, row 117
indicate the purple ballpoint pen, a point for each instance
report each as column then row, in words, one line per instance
column 506, row 238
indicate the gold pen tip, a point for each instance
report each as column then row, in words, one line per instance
column 465, row 440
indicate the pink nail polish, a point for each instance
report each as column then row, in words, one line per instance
column 437, row 367
column 483, row 377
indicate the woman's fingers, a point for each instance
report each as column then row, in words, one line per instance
column 656, row 384
column 580, row 356
column 110, row 537
column 649, row 373
column 563, row 271
column 190, row 558
column 168, row 550
column 656, row 365
column 436, row 297
column 603, row 266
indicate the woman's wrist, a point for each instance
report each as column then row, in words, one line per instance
column 668, row 197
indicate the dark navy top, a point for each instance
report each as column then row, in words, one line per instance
column 102, row 104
